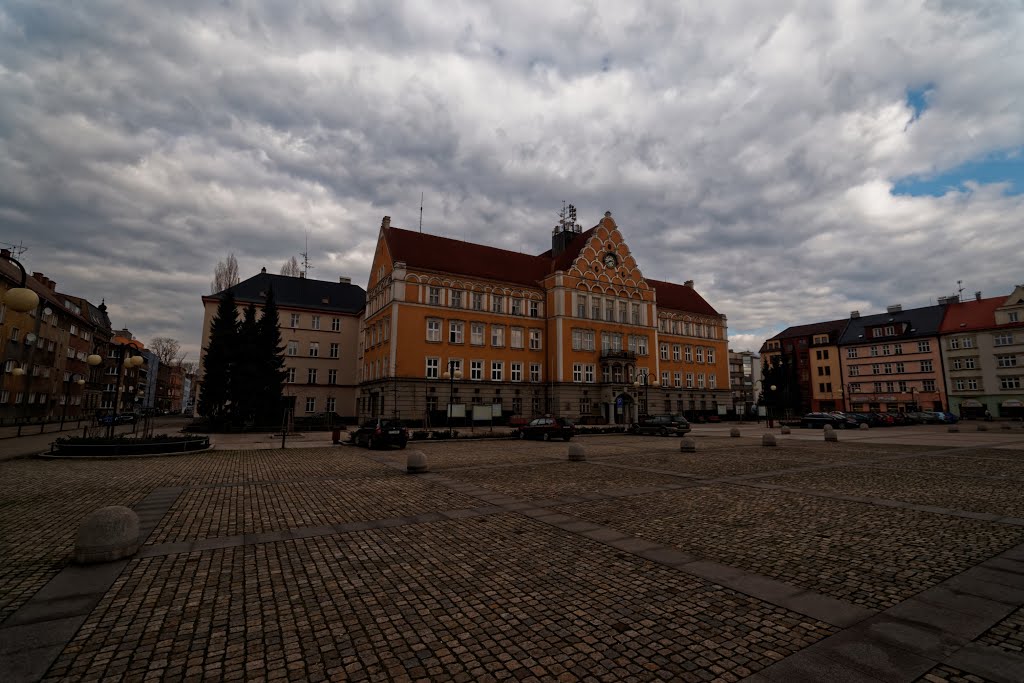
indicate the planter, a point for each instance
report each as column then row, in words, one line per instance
column 121, row 447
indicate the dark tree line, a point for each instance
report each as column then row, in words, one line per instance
column 786, row 399
column 243, row 370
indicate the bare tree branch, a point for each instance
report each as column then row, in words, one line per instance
column 291, row 267
column 225, row 275
column 166, row 349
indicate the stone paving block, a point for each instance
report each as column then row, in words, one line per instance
column 881, row 660
column 914, row 637
column 810, row 668
column 992, row 663
column 15, row 638
column 964, row 625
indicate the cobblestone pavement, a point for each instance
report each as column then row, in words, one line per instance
column 643, row 563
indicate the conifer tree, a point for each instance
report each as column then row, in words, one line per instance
column 247, row 369
column 217, row 364
column 271, row 354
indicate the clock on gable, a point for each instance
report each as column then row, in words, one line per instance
column 611, row 260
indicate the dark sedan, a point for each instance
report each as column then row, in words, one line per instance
column 381, row 433
column 663, row 425
column 547, row 428
column 820, row 420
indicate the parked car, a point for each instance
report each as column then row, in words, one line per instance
column 951, row 418
column 547, row 428
column 381, row 432
column 122, row 419
column 819, row 420
column 664, row 425
column 884, row 419
column 859, row 418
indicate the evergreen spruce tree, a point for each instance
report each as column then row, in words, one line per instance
column 217, row 364
column 246, row 370
column 271, row 356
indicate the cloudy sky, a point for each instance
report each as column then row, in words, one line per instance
column 798, row 160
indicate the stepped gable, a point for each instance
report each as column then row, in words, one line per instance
column 300, row 292
column 680, row 298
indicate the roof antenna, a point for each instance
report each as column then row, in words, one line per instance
column 959, row 291
column 421, row 212
column 305, row 257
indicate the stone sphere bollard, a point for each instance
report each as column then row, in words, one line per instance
column 415, row 462
column 784, row 430
column 864, row 425
column 768, row 440
column 830, row 434
column 954, row 428
column 734, row 432
column 982, row 428
column 108, row 534
column 688, row 446
column 577, row 453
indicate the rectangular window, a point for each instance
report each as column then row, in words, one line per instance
column 290, row 377
column 960, row 385
column 854, row 370
column 517, row 306
column 476, row 334
column 677, row 379
column 584, row 405
column 595, row 308
column 954, row 343
column 433, row 330
column 315, row 322
column 903, row 387
column 311, row 376
column 434, row 296
column 887, row 368
column 1013, row 316
column 711, row 355
column 665, row 379
column 455, row 331
column 886, row 350
column 924, row 347
column 890, row 387
column 677, row 352
column 516, row 370
column 293, row 348
column 497, row 304
column 851, row 352
column 581, row 306
column 335, row 349
column 432, row 368
column 878, row 387
column 588, row 374
column 928, row 385
column 623, row 312
column 310, row 404
column 689, row 380
column 900, row 368
column 335, row 324
column 476, row 370
column 874, row 350
column 534, row 372
column 534, row 340
column 497, row 336
column 456, row 298
column 1012, row 382
column 641, row 346
column 700, row 380
column 664, row 351
column 478, row 301
column 330, row 404
column 332, row 376
column 972, row 384
column 926, row 366
column 295, row 320
column 314, row 349
column 516, row 337
column 1006, row 361
column 876, row 369
column 577, row 372
column 534, row 309
column 969, row 363
column 700, row 354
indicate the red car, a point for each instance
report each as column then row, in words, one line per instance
column 547, row 428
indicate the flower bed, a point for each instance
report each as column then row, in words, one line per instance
column 76, row 446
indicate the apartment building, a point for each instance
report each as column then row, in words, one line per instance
column 461, row 331
column 982, row 345
column 892, row 361
column 744, row 373
column 814, row 353
column 319, row 323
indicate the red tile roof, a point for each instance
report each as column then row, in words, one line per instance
column 971, row 315
column 829, row 327
column 680, row 297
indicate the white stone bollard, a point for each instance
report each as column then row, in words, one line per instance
column 864, row 425
column 577, row 453
column 688, row 446
column 768, row 440
column 784, row 430
column 734, row 432
column 415, row 462
column 830, row 434
column 108, row 534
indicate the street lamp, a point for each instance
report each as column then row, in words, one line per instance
column 451, row 374
column 127, row 359
column 773, row 389
column 21, row 298
column 643, row 379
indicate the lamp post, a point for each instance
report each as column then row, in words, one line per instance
column 128, row 360
column 770, row 413
column 451, row 374
column 643, row 379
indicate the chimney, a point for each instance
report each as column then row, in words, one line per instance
column 302, row 274
column 345, row 280
column 5, row 253
column 854, row 315
column 977, row 296
column 263, row 270
column 895, row 308
column 386, row 222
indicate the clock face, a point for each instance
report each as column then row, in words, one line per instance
column 610, row 260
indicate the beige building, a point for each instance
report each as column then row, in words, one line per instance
column 319, row 323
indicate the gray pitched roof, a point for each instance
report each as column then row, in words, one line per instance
column 919, row 322
column 300, row 292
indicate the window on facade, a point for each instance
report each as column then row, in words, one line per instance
column 900, row 368
column 677, row 352
column 876, row 369
column 534, row 309
column 700, row 380
column 478, row 301
column 577, row 372
column 516, row 372
column 516, row 337
column 677, row 379
column 455, row 331
column 535, row 340
column 926, row 366
column 609, row 311
column 588, row 374
column 476, row 370
column 711, row 355
column 432, row 368
column 972, row 384
column 456, row 298
column 1006, row 361
column 517, row 306
column 311, row 376
column 928, row 385
column 314, row 349
column 887, row 368
column 635, row 311
column 434, row 296
column 315, row 322
column 534, row 372
column 854, row 370
column 1011, row 382
column 290, row 377
column 334, row 349
column 476, row 334
column 1013, row 316
column 497, row 303
column 924, row 347
column 874, row 350
column 584, row 405
column 1003, row 339
column 310, row 404
column 335, row 324
column 700, row 354
column 954, row 343
column 497, row 336
column 581, row 306
column 595, row 308
column 332, row 376
column 664, row 351
column 623, row 312
column 433, row 330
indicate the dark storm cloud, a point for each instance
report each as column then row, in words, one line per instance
column 749, row 148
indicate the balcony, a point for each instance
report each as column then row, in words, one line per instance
column 613, row 355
